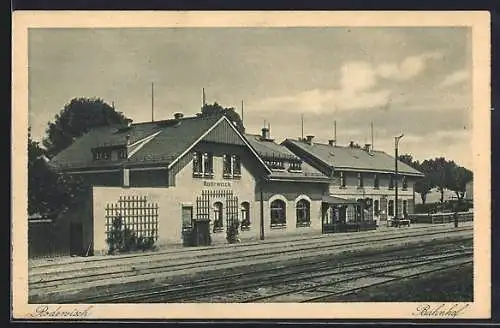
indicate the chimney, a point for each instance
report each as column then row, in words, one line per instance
column 331, row 142
column 128, row 122
column 178, row 116
column 367, row 147
column 351, row 144
column 265, row 133
column 309, row 139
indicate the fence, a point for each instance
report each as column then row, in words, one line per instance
column 136, row 214
column 440, row 218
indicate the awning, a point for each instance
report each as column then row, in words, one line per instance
column 337, row 200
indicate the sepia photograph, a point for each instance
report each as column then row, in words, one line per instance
column 278, row 162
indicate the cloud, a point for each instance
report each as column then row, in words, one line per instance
column 358, row 87
column 454, row 78
column 410, row 67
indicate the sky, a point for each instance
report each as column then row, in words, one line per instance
column 415, row 80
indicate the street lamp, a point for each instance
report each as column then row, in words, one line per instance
column 396, row 142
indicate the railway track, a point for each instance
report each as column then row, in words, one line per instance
column 71, row 280
column 245, row 285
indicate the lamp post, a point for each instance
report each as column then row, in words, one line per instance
column 396, row 142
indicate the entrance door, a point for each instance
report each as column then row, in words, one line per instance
column 76, row 238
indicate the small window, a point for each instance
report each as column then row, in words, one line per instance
column 342, row 179
column 106, row 155
column 187, row 217
column 226, row 169
column 391, row 182
column 245, row 216
column 376, row 182
column 202, row 165
column 122, row 153
column 391, row 207
column 295, row 166
column 236, row 165
column 405, row 183
column 218, row 219
column 278, row 213
column 360, row 180
column 376, row 207
column 303, row 213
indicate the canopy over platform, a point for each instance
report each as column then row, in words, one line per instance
column 337, row 200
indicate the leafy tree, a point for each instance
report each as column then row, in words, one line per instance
column 458, row 177
column 78, row 117
column 438, row 170
column 217, row 110
column 424, row 185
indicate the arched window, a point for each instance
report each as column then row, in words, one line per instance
column 303, row 213
column 278, row 213
column 218, row 220
column 391, row 207
column 376, row 207
column 245, row 216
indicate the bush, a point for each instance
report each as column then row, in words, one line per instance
column 126, row 240
column 232, row 234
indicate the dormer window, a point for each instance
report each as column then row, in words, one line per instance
column 102, row 154
column 275, row 163
column 231, row 166
column 122, row 154
column 295, row 166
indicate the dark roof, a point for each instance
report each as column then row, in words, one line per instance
column 172, row 139
column 270, row 149
column 351, row 158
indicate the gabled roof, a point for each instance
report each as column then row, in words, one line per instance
column 350, row 158
column 270, row 149
column 159, row 142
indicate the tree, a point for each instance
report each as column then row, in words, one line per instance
column 424, row 185
column 438, row 170
column 458, row 177
column 78, row 117
column 217, row 110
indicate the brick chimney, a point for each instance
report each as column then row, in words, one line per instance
column 178, row 116
column 265, row 133
column 309, row 139
column 331, row 142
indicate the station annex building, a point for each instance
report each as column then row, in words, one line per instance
column 161, row 177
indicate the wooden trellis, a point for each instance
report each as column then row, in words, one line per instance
column 136, row 214
column 204, row 205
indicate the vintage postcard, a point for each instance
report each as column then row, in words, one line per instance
column 251, row 165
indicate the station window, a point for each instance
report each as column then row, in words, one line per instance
column 405, row 206
column 278, row 213
column 275, row 163
column 303, row 213
column 391, row 182
column 376, row 182
column 391, row 207
column 245, row 216
column 102, row 154
column 203, row 165
column 360, row 180
column 218, row 219
column 187, row 217
column 376, row 207
column 342, row 179
column 404, row 183
column 122, row 153
column 231, row 166
column 295, row 166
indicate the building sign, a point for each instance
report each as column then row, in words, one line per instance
column 226, row 184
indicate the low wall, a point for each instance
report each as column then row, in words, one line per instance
column 438, row 218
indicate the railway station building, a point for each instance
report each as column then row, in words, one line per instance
column 361, row 173
column 163, row 178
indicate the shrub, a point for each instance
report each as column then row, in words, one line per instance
column 232, row 233
column 125, row 240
